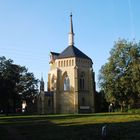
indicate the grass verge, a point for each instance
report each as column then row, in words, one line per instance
column 121, row 126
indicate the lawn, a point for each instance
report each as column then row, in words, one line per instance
column 121, row 126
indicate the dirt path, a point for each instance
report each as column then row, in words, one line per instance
column 13, row 133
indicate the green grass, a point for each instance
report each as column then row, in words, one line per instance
column 121, row 126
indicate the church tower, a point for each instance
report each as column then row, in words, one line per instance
column 42, row 85
column 40, row 102
column 71, row 79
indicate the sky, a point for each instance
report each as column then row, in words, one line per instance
column 30, row 29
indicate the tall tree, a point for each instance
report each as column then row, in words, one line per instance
column 28, row 88
column 14, row 81
column 120, row 76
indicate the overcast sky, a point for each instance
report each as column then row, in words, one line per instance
column 30, row 29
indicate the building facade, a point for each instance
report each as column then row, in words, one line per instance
column 71, row 82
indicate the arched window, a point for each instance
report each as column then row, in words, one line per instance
column 66, row 83
column 69, row 62
column 82, row 81
column 59, row 64
column 72, row 62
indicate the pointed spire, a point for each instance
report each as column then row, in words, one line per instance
column 42, row 84
column 42, row 78
column 71, row 33
column 71, row 24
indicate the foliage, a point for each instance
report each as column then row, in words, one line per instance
column 16, row 84
column 100, row 102
column 119, row 77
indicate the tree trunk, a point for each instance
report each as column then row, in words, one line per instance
column 121, row 108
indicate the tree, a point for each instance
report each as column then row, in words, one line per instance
column 14, row 81
column 119, row 78
column 100, row 102
column 28, row 88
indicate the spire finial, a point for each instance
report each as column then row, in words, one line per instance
column 71, row 33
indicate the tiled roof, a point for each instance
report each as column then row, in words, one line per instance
column 72, row 51
column 54, row 53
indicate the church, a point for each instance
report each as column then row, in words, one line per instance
column 71, row 82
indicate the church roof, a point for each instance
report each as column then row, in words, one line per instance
column 72, row 51
column 54, row 53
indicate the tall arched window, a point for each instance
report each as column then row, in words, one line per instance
column 59, row 64
column 66, row 83
column 82, row 81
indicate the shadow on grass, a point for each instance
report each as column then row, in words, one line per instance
column 42, row 128
column 16, row 119
column 50, row 131
column 68, row 116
